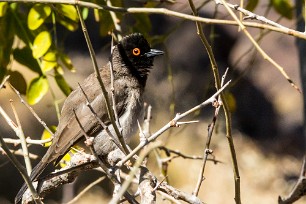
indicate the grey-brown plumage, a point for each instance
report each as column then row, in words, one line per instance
column 132, row 59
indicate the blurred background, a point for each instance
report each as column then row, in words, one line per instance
column 267, row 112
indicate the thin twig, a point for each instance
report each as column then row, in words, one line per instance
column 90, row 144
column 105, row 127
column 116, row 20
column 19, row 152
column 23, row 143
column 111, row 176
column 227, row 113
column 77, row 197
column 111, row 68
column 133, row 172
column 21, row 170
column 260, row 50
column 99, row 78
column 171, row 124
column 28, row 141
column 4, row 81
column 299, row 189
column 168, row 12
column 207, row 150
column 31, row 109
column 168, row 197
column 249, row 14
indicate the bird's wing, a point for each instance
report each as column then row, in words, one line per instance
column 69, row 131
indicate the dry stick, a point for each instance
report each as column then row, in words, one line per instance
column 250, row 15
column 207, row 150
column 13, row 159
column 99, row 78
column 89, row 142
column 20, row 135
column 260, row 50
column 113, row 90
column 179, row 154
column 170, row 124
column 133, row 172
column 75, row 199
column 105, row 127
column 116, row 21
column 299, row 189
column 28, row 141
column 168, row 12
column 168, row 197
column 17, row 152
column 178, row 194
column 227, row 113
column 21, row 170
column 31, row 110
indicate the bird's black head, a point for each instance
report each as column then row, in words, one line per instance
column 136, row 53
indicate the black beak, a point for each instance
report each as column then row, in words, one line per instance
column 153, row 53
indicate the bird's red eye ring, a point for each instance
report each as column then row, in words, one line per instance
column 136, row 51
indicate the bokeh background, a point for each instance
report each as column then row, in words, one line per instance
column 266, row 110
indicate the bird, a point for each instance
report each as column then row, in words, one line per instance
column 131, row 60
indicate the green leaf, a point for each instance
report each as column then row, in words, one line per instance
column 49, row 61
column 85, row 12
column 67, row 16
column 68, row 11
column 37, row 89
column 41, row 44
column 283, row 7
column 251, row 5
column 24, row 56
column 46, row 135
column 3, row 8
column 67, row 62
column 18, row 81
column 37, row 15
column 63, row 85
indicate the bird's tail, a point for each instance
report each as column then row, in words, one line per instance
column 37, row 170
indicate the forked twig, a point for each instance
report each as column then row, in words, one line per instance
column 31, row 109
column 170, row 124
column 260, row 50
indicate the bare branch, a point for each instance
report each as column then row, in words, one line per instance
column 299, row 189
column 21, row 136
column 31, row 110
column 170, row 124
column 77, row 197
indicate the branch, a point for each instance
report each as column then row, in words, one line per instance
column 167, row 12
column 13, row 159
column 133, row 172
column 79, row 163
column 260, row 50
column 179, row 195
column 31, row 110
column 227, row 113
column 75, row 199
column 207, row 150
column 20, row 135
column 99, row 78
column 170, row 124
column 299, row 189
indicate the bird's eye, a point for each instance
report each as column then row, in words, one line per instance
column 136, row 51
